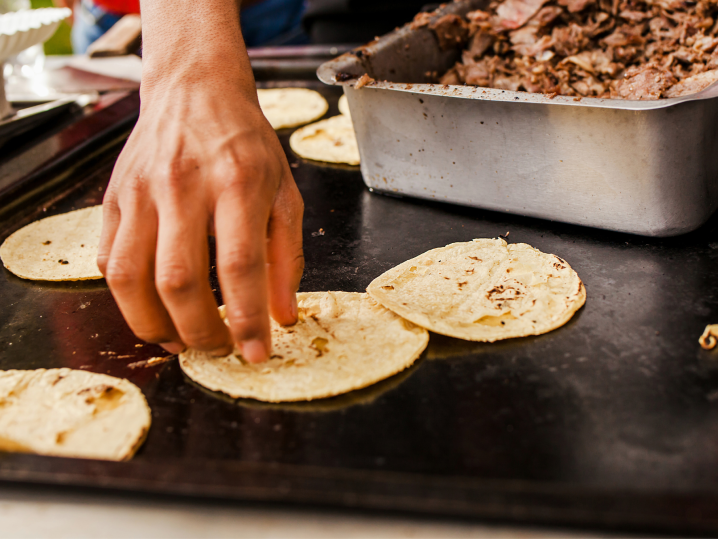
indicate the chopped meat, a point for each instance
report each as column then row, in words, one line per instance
column 598, row 24
column 523, row 39
column 546, row 16
column 624, row 36
column 478, row 16
column 512, row 14
column 706, row 44
column 503, row 82
column 363, row 81
column 634, row 16
column 479, row 44
column 568, row 40
column 420, row 20
column 620, row 49
column 693, row 84
column 596, row 61
column 450, row 30
column 574, row 6
column 538, row 49
column 645, row 83
column 450, row 77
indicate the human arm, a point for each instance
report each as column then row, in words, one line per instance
column 202, row 158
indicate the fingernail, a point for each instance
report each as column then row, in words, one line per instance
column 254, row 351
column 173, row 347
column 293, row 306
column 221, row 352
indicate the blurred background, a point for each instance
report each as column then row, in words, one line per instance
column 58, row 43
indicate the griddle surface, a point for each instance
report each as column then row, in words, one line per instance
column 611, row 420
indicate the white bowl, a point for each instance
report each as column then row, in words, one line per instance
column 22, row 29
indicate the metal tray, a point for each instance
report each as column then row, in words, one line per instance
column 644, row 167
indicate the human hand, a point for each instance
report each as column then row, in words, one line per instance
column 203, row 159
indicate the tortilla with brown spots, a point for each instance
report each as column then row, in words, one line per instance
column 71, row 413
column 58, row 248
column 482, row 290
column 342, row 341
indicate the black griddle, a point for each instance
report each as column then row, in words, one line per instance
column 609, row 421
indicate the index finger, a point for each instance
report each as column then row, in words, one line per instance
column 241, row 234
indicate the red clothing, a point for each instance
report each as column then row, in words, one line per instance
column 123, row 7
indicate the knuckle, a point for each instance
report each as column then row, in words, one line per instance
column 175, row 280
column 296, row 209
column 119, row 274
column 242, row 263
column 203, row 339
column 299, row 206
column 153, row 335
column 299, row 262
column 247, row 321
column 102, row 261
column 131, row 189
column 237, row 167
column 109, row 201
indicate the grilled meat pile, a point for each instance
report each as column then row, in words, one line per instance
column 619, row 49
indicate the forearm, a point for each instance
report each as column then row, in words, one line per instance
column 190, row 42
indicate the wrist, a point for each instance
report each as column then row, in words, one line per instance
column 193, row 45
column 200, row 74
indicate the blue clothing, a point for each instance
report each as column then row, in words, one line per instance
column 270, row 22
column 274, row 22
column 90, row 23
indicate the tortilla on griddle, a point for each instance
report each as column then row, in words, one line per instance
column 291, row 107
column 342, row 341
column 58, row 248
column 482, row 290
column 331, row 140
column 344, row 106
column 71, row 413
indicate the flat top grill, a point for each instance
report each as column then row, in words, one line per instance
column 611, row 420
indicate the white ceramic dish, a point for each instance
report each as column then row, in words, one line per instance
column 22, row 29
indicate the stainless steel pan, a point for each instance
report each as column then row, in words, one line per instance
column 644, row 167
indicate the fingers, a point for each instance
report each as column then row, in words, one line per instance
column 182, row 279
column 285, row 257
column 129, row 270
column 241, row 256
column 110, row 224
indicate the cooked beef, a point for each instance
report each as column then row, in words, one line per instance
column 451, row 30
column 621, row 49
column 645, row 82
column 512, row 14
column 574, row 6
column 693, row 84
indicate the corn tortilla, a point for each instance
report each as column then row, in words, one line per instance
column 291, row 107
column 344, row 106
column 71, row 413
column 343, row 341
column 58, row 248
column 331, row 140
column 482, row 290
